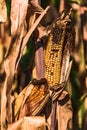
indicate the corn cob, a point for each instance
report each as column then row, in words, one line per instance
column 35, row 100
column 54, row 50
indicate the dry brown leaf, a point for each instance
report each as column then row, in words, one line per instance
column 16, row 125
column 30, row 101
column 35, row 100
column 20, row 100
column 64, row 114
column 40, row 33
column 29, row 33
column 33, row 10
column 1, row 52
column 59, row 118
column 29, row 123
column 11, row 62
column 3, row 11
column 18, row 15
column 64, row 105
column 65, row 64
column 9, row 67
column 36, row 7
column 69, row 70
column 17, row 104
column 31, row 17
column 26, row 38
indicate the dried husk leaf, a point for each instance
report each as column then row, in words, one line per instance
column 36, row 7
column 18, row 15
column 65, row 64
column 12, row 60
column 30, row 101
column 20, row 100
column 34, row 103
column 42, row 32
column 26, row 38
column 17, row 104
column 3, row 11
column 64, row 115
column 63, row 106
column 29, row 123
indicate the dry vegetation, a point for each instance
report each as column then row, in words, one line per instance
column 39, row 46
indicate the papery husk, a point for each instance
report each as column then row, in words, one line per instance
column 61, row 114
column 3, row 11
column 29, row 123
column 30, row 101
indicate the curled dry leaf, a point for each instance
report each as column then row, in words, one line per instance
column 3, row 11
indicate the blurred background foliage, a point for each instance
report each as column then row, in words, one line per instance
column 77, row 85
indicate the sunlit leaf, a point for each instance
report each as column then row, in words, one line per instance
column 83, row 97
